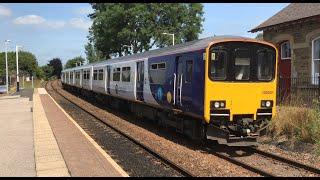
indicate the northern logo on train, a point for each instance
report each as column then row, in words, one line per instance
column 159, row 94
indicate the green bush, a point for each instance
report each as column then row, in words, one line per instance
column 297, row 124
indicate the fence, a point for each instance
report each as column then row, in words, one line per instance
column 24, row 82
column 298, row 91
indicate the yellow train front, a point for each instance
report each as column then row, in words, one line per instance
column 240, row 90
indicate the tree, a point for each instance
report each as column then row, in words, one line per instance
column 141, row 25
column 56, row 64
column 74, row 61
column 47, row 71
column 92, row 53
column 27, row 62
column 259, row 36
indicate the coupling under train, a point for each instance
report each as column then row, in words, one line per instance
column 220, row 88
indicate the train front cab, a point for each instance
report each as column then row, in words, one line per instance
column 240, row 90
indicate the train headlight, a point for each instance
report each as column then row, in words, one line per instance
column 266, row 103
column 218, row 104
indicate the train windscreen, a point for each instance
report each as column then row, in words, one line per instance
column 242, row 61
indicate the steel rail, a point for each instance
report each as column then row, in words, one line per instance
column 286, row 160
column 243, row 164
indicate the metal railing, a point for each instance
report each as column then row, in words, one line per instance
column 298, row 91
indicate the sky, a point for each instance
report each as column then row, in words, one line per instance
column 52, row 30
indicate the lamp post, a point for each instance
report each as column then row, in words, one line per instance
column 172, row 37
column 131, row 47
column 17, row 61
column 7, row 78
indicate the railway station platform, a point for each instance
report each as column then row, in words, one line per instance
column 38, row 138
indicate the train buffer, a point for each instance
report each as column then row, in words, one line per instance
column 39, row 138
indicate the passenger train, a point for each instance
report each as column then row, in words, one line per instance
column 220, row 88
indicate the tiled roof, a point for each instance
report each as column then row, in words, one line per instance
column 293, row 12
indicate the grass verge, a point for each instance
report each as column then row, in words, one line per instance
column 297, row 124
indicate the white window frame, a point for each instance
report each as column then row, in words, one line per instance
column 314, row 74
column 281, row 50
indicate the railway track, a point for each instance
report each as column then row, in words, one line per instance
column 263, row 171
column 264, row 163
column 290, row 162
column 167, row 161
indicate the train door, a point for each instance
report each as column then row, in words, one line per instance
column 140, row 80
column 108, row 79
column 183, row 90
column 284, row 69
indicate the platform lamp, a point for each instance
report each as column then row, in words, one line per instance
column 172, row 37
column 6, row 42
column 17, row 61
column 131, row 47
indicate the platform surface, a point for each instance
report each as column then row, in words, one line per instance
column 82, row 155
column 16, row 137
column 38, row 138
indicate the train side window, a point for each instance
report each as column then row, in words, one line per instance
column 100, row 76
column 126, row 74
column 218, row 64
column 162, row 66
column 189, row 70
column 95, row 74
column 71, row 75
column 158, row 73
column 86, row 74
column 265, row 64
column 116, row 74
column 158, row 66
column 154, row 66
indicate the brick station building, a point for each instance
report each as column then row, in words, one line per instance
column 295, row 30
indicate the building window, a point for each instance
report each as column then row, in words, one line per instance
column 189, row 70
column 285, row 50
column 116, row 74
column 126, row 74
column 95, row 74
column 100, row 74
column 315, row 60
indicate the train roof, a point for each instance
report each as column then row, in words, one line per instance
column 179, row 48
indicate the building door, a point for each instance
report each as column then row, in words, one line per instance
column 284, row 70
column 140, row 80
column 108, row 79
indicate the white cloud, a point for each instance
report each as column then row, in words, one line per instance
column 55, row 24
column 80, row 23
column 4, row 11
column 84, row 10
column 29, row 19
